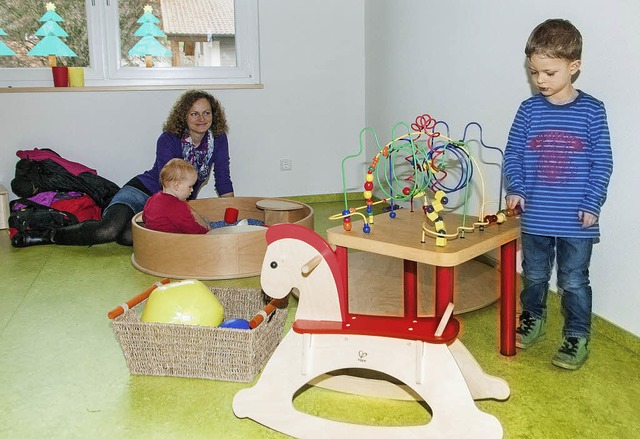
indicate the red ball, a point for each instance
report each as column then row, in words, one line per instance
column 406, row 191
column 368, row 185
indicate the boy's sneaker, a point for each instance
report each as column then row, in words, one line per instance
column 530, row 330
column 572, row 354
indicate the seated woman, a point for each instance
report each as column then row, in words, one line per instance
column 168, row 210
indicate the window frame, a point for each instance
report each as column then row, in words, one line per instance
column 105, row 70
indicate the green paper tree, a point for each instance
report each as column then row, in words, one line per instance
column 4, row 49
column 148, row 45
column 51, row 45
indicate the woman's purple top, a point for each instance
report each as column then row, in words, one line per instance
column 170, row 146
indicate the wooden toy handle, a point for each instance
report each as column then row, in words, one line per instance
column 120, row 309
column 265, row 312
column 446, row 316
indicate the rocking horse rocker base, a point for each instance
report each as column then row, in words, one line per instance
column 326, row 338
column 438, row 375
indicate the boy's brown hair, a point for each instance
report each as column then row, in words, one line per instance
column 176, row 170
column 555, row 38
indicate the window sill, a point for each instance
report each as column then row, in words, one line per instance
column 128, row 88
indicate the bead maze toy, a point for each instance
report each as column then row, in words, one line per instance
column 439, row 167
column 421, row 352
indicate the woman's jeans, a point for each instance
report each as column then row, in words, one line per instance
column 574, row 255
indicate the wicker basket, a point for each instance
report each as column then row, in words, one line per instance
column 201, row 351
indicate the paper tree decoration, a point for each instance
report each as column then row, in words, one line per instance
column 51, row 45
column 4, row 50
column 148, row 46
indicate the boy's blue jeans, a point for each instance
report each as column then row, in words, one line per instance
column 574, row 256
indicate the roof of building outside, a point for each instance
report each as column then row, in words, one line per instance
column 198, row 17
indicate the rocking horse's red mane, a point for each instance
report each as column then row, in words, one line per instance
column 301, row 233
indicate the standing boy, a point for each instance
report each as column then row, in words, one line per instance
column 557, row 166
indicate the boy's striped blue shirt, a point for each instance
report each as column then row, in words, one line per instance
column 558, row 158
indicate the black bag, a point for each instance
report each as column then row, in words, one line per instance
column 35, row 176
column 38, row 217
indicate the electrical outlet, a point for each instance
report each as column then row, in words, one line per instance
column 286, row 165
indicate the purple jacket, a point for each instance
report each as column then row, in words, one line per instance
column 170, row 146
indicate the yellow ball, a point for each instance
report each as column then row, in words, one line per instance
column 187, row 302
column 367, row 194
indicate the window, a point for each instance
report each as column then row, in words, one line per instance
column 199, row 42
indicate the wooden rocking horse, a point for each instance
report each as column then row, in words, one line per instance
column 422, row 353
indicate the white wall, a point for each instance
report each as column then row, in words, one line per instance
column 458, row 60
column 463, row 61
column 312, row 104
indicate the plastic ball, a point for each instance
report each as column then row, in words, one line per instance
column 346, row 219
column 392, row 214
column 346, row 212
column 368, row 185
column 406, row 191
column 346, row 226
column 235, row 324
column 444, row 200
column 369, row 176
column 366, row 228
column 369, row 202
column 430, row 208
column 367, row 194
column 187, row 302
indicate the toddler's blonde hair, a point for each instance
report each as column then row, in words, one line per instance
column 176, row 170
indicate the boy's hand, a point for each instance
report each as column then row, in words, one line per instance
column 587, row 219
column 515, row 200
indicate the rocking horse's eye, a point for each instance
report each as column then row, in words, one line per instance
column 273, row 264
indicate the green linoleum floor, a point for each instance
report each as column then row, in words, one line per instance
column 62, row 374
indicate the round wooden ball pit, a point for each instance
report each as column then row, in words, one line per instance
column 219, row 255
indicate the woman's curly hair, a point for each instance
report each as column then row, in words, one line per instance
column 176, row 122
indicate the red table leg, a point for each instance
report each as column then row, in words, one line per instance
column 508, row 299
column 342, row 254
column 444, row 289
column 410, row 289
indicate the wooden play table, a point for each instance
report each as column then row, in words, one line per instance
column 400, row 237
